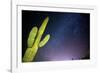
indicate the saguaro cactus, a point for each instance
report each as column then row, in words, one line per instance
column 34, row 41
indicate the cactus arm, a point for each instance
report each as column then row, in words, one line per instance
column 32, row 36
column 44, row 41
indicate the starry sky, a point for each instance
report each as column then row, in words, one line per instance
column 70, row 35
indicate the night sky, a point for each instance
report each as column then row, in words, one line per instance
column 70, row 35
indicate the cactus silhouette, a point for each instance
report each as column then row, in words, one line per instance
column 34, row 41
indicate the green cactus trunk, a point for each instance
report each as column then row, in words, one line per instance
column 34, row 41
